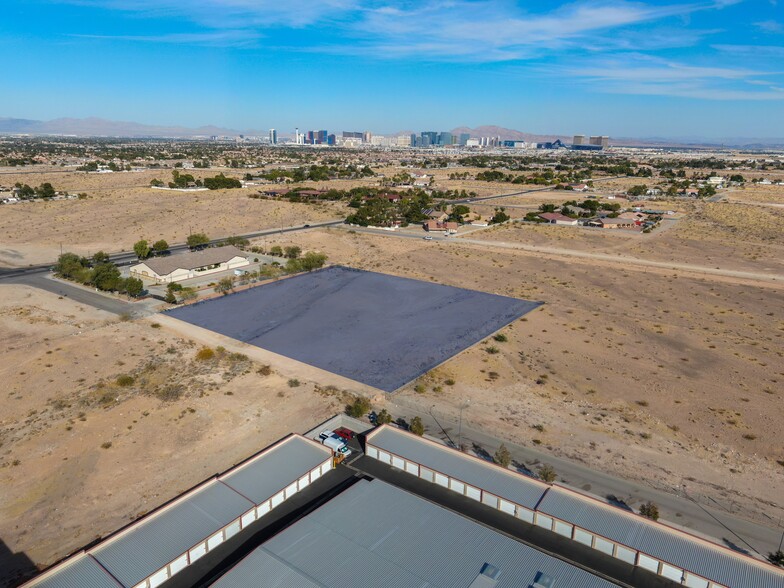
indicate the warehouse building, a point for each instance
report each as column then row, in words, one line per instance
column 410, row 512
column 154, row 549
column 374, row 534
column 191, row 264
column 658, row 548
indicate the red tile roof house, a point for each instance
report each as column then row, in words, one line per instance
column 556, row 218
column 434, row 225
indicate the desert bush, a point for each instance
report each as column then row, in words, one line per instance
column 359, row 407
column 547, row 473
column 491, row 350
column 264, row 370
column 416, row 426
column 293, row 383
column 106, row 445
column 503, row 457
column 501, row 338
column 205, row 354
column 125, row 380
column 650, row 510
column 169, row 392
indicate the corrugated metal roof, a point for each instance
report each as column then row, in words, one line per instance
column 376, row 534
column 276, row 574
column 656, row 540
column 81, row 571
column 270, row 472
column 152, row 543
column 514, row 487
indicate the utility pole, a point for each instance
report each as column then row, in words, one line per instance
column 460, row 425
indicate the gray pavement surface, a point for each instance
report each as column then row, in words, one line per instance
column 377, row 329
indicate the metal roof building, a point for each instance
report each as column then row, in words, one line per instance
column 668, row 552
column 143, row 549
column 661, row 543
column 79, row 571
column 261, row 477
column 455, row 465
column 148, row 552
column 376, row 534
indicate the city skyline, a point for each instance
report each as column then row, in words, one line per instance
column 705, row 69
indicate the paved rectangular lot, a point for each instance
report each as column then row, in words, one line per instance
column 377, row 329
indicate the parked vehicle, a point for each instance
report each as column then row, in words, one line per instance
column 334, row 442
column 428, row 238
column 324, row 434
column 344, row 433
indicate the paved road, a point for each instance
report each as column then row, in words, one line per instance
column 574, row 253
column 82, row 295
column 682, row 509
column 128, row 258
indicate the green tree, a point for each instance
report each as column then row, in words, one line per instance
column 777, row 558
column 359, row 407
column 72, row 267
column 45, row 190
column 105, row 276
column 639, row 190
column 650, row 510
column 100, row 257
column 197, row 240
column 188, row 294
column 292, row 252
column 160, row 246
column 416, row 426
column 224, row 285
column 276, row 251
column 134, row 287
column 383, row 417
column 311, row 260
column 141, row 249
column 547, row 473
column 170, row 298
column 500, row 216
column 503, row 457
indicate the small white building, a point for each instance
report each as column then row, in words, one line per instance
column 192, row 264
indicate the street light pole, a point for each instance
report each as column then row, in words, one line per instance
column 460, row 426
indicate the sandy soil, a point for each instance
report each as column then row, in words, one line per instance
column 121, row 209
column 648, row 375
column 81, row 455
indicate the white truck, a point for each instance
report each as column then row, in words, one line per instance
column 335, row 443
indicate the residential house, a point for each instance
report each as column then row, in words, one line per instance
column 183, row 266
column 556, row 218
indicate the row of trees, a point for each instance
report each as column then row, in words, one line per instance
column 307, row 263
column 45, row 190
column 380, row 212
column 97, row 271
column 180, row 181
column 143, row 249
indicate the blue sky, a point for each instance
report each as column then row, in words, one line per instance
column 705, row 69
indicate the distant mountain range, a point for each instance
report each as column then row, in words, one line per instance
column 99, row 127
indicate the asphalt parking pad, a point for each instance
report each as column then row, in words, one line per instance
column 377, row 329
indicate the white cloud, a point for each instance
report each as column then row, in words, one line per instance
column 770, row 26
column 639, row 74
column 228, row 38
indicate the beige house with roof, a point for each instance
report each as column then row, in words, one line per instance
column 191, row 264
